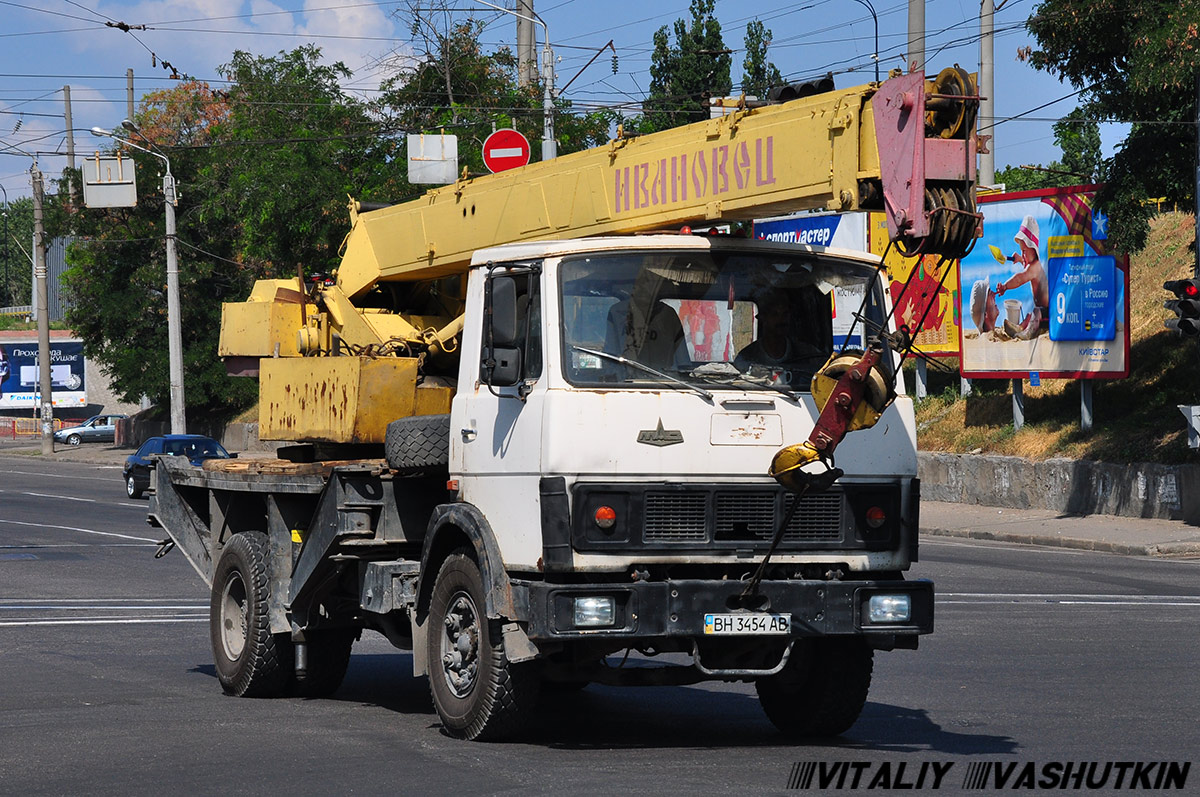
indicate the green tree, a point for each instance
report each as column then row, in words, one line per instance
column 455, row 86
column 685, row 74
column 1079, row 139
column 758, row 73
column 1135, row 61
column 16, row 275
column 264, row 169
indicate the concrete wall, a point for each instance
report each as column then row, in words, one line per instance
column 1072, row 487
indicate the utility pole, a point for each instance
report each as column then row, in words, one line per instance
column 1196, row 269
column 129, row 93
column 43, row 314
column 70, row 144
column 174, row 334
column 987, row 88
column 526, row 58
column 916, row 35
column 6, row 293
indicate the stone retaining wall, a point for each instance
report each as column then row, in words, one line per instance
column 1072, row 487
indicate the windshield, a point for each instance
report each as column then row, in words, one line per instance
column 712, row 318
column 193, row 449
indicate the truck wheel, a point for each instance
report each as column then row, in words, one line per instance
column 419, row 443
column 478, row 692
column 250, row 660
column 328, row 658
column 820, row 694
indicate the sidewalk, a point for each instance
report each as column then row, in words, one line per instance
column 1107, row 533
column 1133, row 536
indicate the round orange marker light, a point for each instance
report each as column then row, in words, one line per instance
column 876, row 517
column 606, row 517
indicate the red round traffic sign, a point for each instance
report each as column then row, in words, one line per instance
column 505, row 149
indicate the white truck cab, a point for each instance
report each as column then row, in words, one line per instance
column 655, row 377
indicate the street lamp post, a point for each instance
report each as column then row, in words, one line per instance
column 174, row 333
column 549, row 145
column 875, row 17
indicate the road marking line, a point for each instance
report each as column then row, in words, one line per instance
column 82, row 531
column 66, row 476
column 98, row 600
column 69, row 498
column 78, row 607
column 104, row 621
column 1060, row 595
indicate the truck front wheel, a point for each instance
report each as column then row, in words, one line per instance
column 250, row 660
column 479, row 694
column 822, row 690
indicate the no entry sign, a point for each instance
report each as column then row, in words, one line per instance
column 505, row 149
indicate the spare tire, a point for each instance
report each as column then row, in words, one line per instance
column 417, row 444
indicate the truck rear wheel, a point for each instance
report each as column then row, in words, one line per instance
column 479, row 694
column 820, row 693
column 419, row 443
column 250, row 660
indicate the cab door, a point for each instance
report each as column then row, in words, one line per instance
column 496, row 420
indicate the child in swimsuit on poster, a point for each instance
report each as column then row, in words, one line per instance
column 1034, row 273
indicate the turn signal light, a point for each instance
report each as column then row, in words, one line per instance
column 606, row 517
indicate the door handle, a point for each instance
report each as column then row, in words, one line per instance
column 469, row 434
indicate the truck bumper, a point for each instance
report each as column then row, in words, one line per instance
column 645, row 610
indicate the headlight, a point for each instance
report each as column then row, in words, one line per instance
column 595, row 612
column 889, row 609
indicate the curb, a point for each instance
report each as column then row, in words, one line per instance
column 1161, row 549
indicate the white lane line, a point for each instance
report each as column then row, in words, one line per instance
column 1064, row 599
column 104, row 621
column 71, row 498
column 117, row 599
column 79, row 607
column 81, row 531
column 77, row 545
column 67, row 476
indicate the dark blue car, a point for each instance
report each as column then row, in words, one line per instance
column 195, row 447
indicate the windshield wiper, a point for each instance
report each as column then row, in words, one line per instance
column 751, row 383
column 626, row 361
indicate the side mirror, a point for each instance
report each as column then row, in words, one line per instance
column 504, row 311
column 507, row 370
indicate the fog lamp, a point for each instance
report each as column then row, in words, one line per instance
column 595, row 612
column 887, row 609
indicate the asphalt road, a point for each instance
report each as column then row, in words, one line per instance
column 107, row 685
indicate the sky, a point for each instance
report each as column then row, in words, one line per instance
column 48, row 44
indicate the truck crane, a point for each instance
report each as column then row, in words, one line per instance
column 533, row 424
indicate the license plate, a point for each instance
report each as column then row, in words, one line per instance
column 733, row 624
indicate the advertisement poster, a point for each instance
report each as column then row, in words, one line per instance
column 20, row 375
column 839, row 230
column 1041, row 293
column 928, row 296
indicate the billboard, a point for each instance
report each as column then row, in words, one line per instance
column 1041, row 293
column 840, row 230
column 939, row 333
column 20, row 375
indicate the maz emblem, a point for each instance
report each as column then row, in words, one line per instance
column 660, row 436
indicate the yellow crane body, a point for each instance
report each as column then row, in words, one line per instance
column 336, row 366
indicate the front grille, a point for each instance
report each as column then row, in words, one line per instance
column 746, row 516
column 740, row 516
column 819, row 517
column 675, row 517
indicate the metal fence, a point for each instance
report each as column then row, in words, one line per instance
column 16, row 428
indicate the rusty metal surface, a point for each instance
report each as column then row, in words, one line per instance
column 341, row 399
